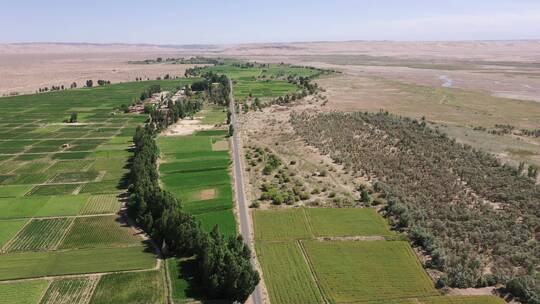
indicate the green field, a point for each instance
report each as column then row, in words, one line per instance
column 73, row 291
column 298, row 268
column 99, row 231
column 199, row 177
column 22, row 292
column 368, row 271
column 287, row 275
column 280, row 225
column 180, row 287
column 146, row 287
column 37, row 264
column 102, row 204
column 40, row 235
column 51, row 170
column 305, row 223
column 346, row 222
column 9, row 229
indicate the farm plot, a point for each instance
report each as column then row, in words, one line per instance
column 51, row 263
column 352, row 272
column 286, row 274
column 59, row 189
column 24, row 207
column 199, row 177
column 137, row 287
column 70, row 291
column 286, row 224
column 102, row 204
column 22, row 292
column 99, row 231
column 347, row 222
column 9, row 229
column 40, row 235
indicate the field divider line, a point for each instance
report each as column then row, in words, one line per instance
column 168, row 283
column 60, row 240
column 6, row 245
column 44, row 292
column 89, row 293
column 314, row 277
column 308, row 222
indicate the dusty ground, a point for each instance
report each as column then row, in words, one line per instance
column 25, row 73
column 270, row 129
column 186, row 127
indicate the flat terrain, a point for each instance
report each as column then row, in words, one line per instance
column 340, row 271
column 62, row 187
column 199, row 176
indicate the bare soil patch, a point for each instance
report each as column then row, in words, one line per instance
column 207, row 194
column 186, row 127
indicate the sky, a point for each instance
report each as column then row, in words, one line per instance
column 243, row 21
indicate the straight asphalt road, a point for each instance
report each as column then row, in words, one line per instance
column 243, row 211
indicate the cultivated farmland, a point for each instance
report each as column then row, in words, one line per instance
column 199, row 176
column 54, row 177
column 136, row 287
column 22, row 292
column 70, row 291
column 367, row 271
column 298, row 268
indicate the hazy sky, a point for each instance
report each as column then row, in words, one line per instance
column 234, row 21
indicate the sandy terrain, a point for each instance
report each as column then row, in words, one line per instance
column 26, row 67
column 186, row 127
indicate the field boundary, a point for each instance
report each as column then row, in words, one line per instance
column 11, row 240
column 324, row 296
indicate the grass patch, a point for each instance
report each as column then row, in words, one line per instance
column 346, row 222
column 138, row 287
column 36, row 264
column 286, row 273
column 99, row 231
column 9, row 229
column 14, row 191
column 224, row 219
column 368, row 271
column 22, row 292
column 61, row 189
column 285, row 224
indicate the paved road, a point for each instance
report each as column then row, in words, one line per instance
column 243, row 211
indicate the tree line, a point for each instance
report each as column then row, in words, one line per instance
column 224, row 267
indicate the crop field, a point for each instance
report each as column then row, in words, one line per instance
column 99, row 231
column 298, row 268
column 346, row 222
column 367, row 271
column 70, row 291
column 28, row 292
column 39, row 235
column 102, row 204
column 199, row 177
column 281, row 225
column 137, row 287
column 267, row 88
column 286, row 273
column 262, row 82
column 9, row 229
column 53, row 172
column 305, row 223
column 37, row 264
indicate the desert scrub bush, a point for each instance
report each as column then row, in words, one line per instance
column 440, row 188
